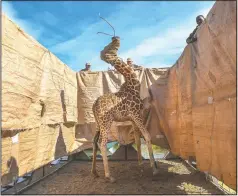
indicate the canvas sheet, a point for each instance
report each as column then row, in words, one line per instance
column 193, row 107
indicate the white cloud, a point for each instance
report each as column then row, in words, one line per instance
column 28, row 27
column 167, row 43
column 172, row 41
column 87, row 45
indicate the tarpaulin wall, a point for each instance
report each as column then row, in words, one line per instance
column 37, row 89
column 197, row 106
column 94, row 84
column 47, row 107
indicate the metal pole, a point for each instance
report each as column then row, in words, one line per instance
column 43, row 171
column 126, row 152
column 37, row 181
column 14, row 184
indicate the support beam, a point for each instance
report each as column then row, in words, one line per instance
column 82, row 156
column 124, row 153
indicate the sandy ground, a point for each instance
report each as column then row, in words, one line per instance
column 174, row 178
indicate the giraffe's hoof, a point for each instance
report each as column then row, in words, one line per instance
column 111, row 179
column 141, row 166
column 95, row 174
column 155, row 172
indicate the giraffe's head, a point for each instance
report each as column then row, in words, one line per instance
column 115, row 38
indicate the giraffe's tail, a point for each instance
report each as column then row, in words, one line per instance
column 146, row 112
column 146, row 116
column 96, row 138
column 94, row 108
column 97, row 131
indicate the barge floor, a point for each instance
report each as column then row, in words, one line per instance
column 175, row 177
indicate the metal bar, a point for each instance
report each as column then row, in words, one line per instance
column 30, row 178
column 25, row 178
column 7, row 187
column 126, row 147
column 113, row 160
column 14, row 185
column 27, row 187
column 190, row 166
column 43, row 170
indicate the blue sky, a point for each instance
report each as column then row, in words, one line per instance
column 153, row 34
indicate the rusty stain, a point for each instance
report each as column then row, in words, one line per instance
column 212, row 77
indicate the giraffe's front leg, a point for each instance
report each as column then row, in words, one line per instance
column 105, row 127
column 103, row 147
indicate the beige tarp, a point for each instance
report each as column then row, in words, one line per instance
column 197, row 107
column 94, row 84
column 39, row 95
column 33, row 76
column 47, row 107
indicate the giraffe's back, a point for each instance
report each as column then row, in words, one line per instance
column 108, row 104
column 117, row 106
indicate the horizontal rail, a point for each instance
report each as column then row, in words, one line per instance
column 45, row 176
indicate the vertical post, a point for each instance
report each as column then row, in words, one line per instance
column 30, row 178
column 43, row 170
column 126, row 152
column 14, row 184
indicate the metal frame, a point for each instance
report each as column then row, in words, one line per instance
column 29, row 184
column 26, row 177
column 109, row 157
column 193, row 165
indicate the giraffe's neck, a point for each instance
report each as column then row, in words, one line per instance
column 131, row 84
column 126, row 70
column 109, row 55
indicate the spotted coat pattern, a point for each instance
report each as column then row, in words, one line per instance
column 120, row 106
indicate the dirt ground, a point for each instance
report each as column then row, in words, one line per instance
column 174, row 178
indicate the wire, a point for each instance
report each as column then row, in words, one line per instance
column 108, row 23
column 104, row 33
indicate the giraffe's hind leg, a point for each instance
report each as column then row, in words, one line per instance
column 103, row 147
column 95, row 149
column 138, row 144
column 139, row 123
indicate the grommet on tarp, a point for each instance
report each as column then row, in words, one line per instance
column 210, row 100
column 43, row 107
column 159, row 136
column 172, row 113
column 15, row 139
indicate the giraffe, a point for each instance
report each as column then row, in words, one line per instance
column 120, row 106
